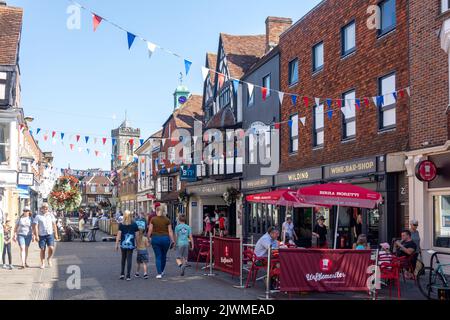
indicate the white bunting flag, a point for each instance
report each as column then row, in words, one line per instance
column 163, row 141
column 375, row 101
column 317, row 101
column 303, row 120
column 408, row 90
column 205, row 72
column 250, row 89
column 151, row 48
column 79, row 149
column 195, row 139
column 281, row 96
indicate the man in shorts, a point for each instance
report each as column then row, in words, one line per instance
column 183, row 235
column 45, row 233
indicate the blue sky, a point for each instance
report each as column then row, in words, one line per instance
column 81, row 82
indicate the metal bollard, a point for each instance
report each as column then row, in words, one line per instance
column 267, row 296
column 241, row 279
column 210, row 274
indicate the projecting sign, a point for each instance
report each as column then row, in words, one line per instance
column 25, row 179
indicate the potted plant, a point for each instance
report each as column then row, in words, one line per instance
column 231, row 196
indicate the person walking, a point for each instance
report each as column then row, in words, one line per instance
column 23, row 234
column 161, row 234
column 45, row 233
column 415, row 235
column 142, row 253
column 126, row 239
column 7, row 245
column 2, row 222
column 183, row 235
column 288, row 232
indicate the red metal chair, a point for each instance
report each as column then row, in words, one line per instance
column 203, row 252
column 258, row 263
column 390, row 271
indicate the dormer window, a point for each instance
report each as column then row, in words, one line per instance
column 445, row 5
column 224, row 98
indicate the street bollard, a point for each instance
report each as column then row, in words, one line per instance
column 210, row 274
column 241, row 280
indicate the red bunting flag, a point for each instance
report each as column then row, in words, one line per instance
column 45, row 137
column 339, row 102
column 366, row 102
column 21, row 126
column 401, row 93
column 142, row 160
column 264, row 93
column 277, row 126
column 96, row 153
column 53, row 134
column 131, row 142
column 78, row 137
column 104, row 141
column 306, row 101
column 221, row 79
column 97, row 21
column 71, row 147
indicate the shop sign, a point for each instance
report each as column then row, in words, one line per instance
column 194, row 204
column 257, row 183
column 426, row 171
column 188, row 173
column 25, row 179
column 353, row 168
column 211, row 189
column 299, row 176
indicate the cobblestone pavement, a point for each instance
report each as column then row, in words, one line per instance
column 99, row 266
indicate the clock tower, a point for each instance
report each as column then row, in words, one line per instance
column 181, row 95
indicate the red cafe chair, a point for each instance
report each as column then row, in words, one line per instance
column 258, row 263
column 390, row 271
column 202, row 252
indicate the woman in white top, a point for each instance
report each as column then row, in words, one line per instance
column 288, row 232
column 23, row 234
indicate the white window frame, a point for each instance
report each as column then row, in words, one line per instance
column 293, row 137
column 6, row 144
column 3, row 87
column 348, row 114
column 318, row 112
column 316, row 57
column 389, row 102
column 164, row 184
column 346, row 51
column 291, row 71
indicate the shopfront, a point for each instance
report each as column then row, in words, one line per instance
column 429, row 198
column 258, row 216
column 207, row 198
column 379, row 224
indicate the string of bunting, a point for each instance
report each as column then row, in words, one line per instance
column 223, row 79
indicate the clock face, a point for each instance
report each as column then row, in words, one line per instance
column 182, row 100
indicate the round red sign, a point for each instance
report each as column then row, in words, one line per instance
column 426, row 171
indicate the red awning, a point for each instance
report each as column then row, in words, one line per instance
column 340, row 194
column 279, row 197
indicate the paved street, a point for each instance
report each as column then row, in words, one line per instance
column 100, row 268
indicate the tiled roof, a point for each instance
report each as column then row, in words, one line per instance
column 223, row 118
column 242, row 52
column 211, row 64
column 186, row 114
column 10, row 29
column 157, row 134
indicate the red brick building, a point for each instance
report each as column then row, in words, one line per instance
column 331, row 53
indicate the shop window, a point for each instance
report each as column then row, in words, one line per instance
column 4, row 143
column 348, row 36
column 164, row 184
column 318, row 59
column 387, row 110
column 388, row 16
column 349, row 116
column 441, row 213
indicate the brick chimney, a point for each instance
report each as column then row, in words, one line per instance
column 275, row 26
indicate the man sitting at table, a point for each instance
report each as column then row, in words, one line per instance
column 406, row 248
column 266, row 241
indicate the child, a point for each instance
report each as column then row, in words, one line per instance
column 142, row 253
column 7, row 244
column 183, row 234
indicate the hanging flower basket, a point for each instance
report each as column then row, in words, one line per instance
column 65, row 195
column 183, row 197
column 231, row 196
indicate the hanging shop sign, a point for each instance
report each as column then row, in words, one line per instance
column 426, row 171
column 188, row 173
column 25, row 179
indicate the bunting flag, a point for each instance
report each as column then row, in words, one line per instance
column 71, row 147
column 303, row 120
column 317, row 101
column 367, row 102
column 395, row 95
column 235, row 85
column 131, row 38
column 329, row 103
column 79, row 149
column 114, row 142
column 294, row 100
column 339, row 103
column 221, row 79
column 187, row 66
column 264, row 93
column 141, row 141
column 380, row 101
column 151, row 48
column 195, row 139
column 96, row 21
column 86, row 139
column 290, row 122
column 330, row 113
column 205, row 72
column 62, row 136
column 250, row 88
column 21, row 126
column 401, row 93
column 104, row 141
column 53, row 134
column 96, row 153
column 131, row 142
column 408, row 91
column 281, row 97
column 88, row 151
column 358, row 103
column 277, row 126
column 306, row 101
column 45, row 137
column 31, row 132
column 78, row 137
column 375, row 101
column 38, row 130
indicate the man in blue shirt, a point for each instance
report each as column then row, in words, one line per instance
column 266, row 241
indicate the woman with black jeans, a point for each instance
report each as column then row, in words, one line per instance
column 161, row 234
column 126, row 238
